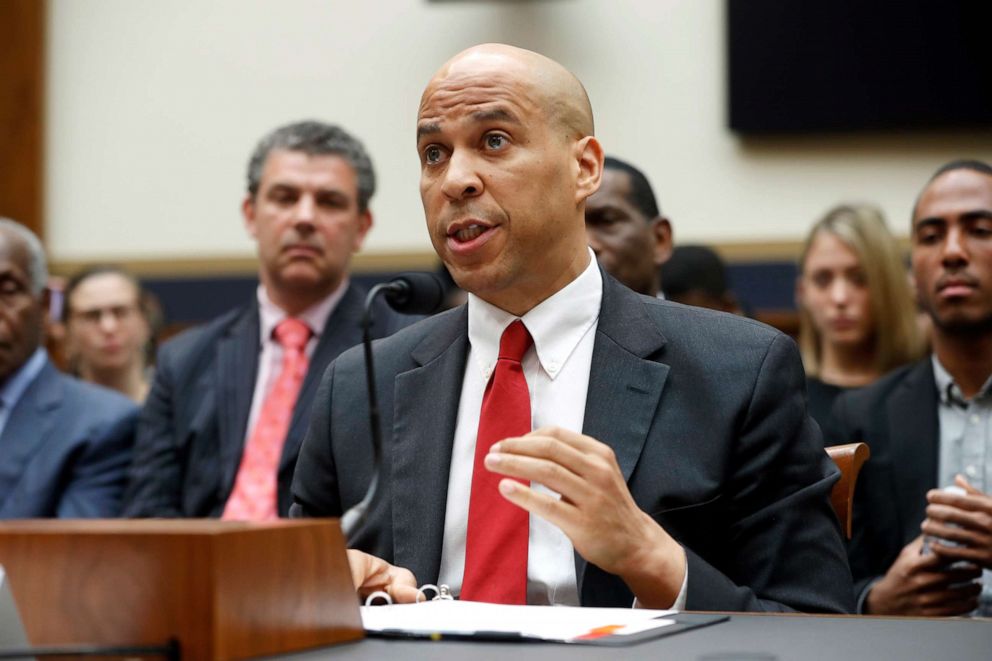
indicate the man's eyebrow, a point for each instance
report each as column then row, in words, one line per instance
column 931, row 220
column 282, row 184
column 497, row 114
column 8, row 274
column 978, row 214
column 428, row 128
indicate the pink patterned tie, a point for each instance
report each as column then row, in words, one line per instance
column 255, row 489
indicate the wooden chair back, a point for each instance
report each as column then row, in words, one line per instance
column 849, row 459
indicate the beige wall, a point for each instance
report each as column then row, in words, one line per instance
column 154, row 105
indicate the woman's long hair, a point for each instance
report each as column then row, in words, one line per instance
column 895, row 335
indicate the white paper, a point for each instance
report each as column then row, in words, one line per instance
column 557, row 623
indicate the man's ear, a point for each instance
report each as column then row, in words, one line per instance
column 589, row 158
column 248, row 213
column 661, row 232
column 364, row 225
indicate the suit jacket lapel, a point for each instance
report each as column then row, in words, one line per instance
column 425, row 412
column 237, row 367
column 28, row 428
column 342, row 331
column 914, row 434
column 623, row 378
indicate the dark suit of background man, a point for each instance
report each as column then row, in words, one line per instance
column 625, row 228
column 307, row 207
column 697, row 478
column 65, row 445
column 929, row 425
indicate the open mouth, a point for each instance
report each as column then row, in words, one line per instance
column 469, row 233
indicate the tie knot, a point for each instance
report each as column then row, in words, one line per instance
column 515, row 341
column 292, row 333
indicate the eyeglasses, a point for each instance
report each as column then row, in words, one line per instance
column 95, row 316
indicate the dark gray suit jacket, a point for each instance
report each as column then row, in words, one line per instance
column 65, row 450
column 192, row 429
column 705, row 412
column 897, row 417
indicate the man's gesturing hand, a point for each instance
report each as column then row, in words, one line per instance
column 371, row 574
column 595, row 511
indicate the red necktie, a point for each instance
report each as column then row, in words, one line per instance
column 254, row 497
column 496, row 538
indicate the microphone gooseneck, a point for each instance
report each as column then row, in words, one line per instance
column 415, row 293
column 410, row 293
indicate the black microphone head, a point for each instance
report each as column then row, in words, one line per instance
column 415, row 293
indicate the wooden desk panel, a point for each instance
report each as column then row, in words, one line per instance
column 224, row 590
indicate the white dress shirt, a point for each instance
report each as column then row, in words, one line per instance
column 271, row 352
column 965, row 447
column 557, row 372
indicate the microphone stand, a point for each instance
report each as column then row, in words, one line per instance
column 355, row 516
column 415, row 293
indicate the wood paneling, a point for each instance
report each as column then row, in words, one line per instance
column 223, row 590
column 218, row 266
column 22, row 83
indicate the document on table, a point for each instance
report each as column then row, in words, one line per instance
column 468, row 619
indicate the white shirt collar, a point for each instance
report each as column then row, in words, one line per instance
column 557, row 324
column 315, row 316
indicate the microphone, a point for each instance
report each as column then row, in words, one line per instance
column 415, row 293
column 410, row 293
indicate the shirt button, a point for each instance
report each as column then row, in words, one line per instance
column 975, row 420
column 971, row 471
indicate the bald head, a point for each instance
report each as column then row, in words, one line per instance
column 21, row 300
column 554, row 88
column 25, row 243
column 508, row 159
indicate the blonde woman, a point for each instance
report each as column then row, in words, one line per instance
column 856, row 311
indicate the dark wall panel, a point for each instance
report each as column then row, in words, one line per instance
column 22, row 26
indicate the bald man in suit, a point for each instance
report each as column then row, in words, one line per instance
column 669, row 460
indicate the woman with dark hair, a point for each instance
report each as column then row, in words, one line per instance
column 109, row 330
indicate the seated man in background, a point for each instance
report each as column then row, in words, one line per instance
column 108, row 330
column 561, row 439
column 222, row 426
column 65, row 445
column 626, row 231
column 695, row 275
column 929, row 424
